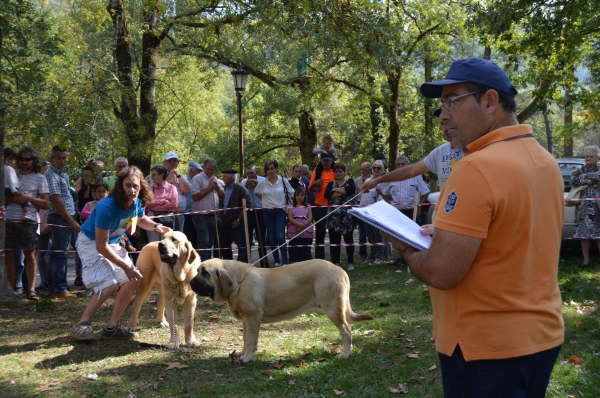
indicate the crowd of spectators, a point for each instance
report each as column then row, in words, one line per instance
column 45, row 212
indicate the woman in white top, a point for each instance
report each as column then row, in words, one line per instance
column 276, row 193
column 367, row 198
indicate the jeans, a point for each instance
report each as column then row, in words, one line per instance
column 335, row 238
column 206, row 231
column 526, row 376
column 300, row 253
column 19, row 267
column 256, row 226
column 320, row 230
column 43, row 244
column 56, row 273
column 362, row 238
column 190, row 230
column 228, row 235
column 275, row 223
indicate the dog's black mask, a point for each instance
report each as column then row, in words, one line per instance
column 164, row 256
column 202, row 287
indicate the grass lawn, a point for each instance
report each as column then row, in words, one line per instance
column 294, row 358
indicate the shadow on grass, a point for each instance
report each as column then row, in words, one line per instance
column 86, row 351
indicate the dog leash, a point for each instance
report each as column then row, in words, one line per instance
column 301, row 232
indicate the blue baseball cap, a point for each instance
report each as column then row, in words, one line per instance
column 195, row 165
column 471, row 70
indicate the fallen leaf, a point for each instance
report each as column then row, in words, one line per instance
column 12, row 382
column 336, row 350
column 301, row 364
column 411, row 280
column 379, row 350
column 266, row 372
column 399, row 389
column 155, row 385
column 369, row 332
column 213, row 318
column 91, row 376
column 384, row 304
column 413, row 356
column 579, row 323
column 175, row 365
column 288, row 372
column 434, row 367
column 291, row 382
column 277, row 365
column 337, row 393
column 319, row 359
column 574, row 360
column 161, row 378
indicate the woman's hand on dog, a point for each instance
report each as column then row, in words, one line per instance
column 133, row 274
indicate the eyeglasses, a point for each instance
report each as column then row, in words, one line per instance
column 400, row 164
column 448, row 103
column 156, row 175
column 25, row 159
column 376, row 168
column 342, row 170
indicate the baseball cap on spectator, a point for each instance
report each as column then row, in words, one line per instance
column 471, row 70
column 45, row 162
column 229, row 171
column 326, row 156
column 195, row 165
column 171, row 155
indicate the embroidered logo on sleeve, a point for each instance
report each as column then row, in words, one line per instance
column 451, row 202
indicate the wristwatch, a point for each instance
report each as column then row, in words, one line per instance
column 156, row 225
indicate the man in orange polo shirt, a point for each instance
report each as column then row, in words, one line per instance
column 318, row 187
column 493, row 263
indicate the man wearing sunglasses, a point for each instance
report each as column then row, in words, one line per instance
column 34, row 190
column 493, row 262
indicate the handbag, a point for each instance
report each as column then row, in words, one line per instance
column 575, row 193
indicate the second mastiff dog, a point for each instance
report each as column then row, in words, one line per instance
column 267, row 295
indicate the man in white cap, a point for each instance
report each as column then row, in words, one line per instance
column 493, row 262
column 171, row 162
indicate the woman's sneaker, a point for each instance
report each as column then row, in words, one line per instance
column 118, row 333
column 82, row 331
column 30, row 216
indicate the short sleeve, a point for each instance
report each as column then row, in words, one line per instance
column 431, row 160
column 465, row 205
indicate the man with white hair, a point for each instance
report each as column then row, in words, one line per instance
column 120, row 164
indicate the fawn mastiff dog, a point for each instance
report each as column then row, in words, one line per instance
column 170, row 264
column 267, row 295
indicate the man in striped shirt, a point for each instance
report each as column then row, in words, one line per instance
column 61, row 223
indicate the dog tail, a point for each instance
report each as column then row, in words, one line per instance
column 353, row 317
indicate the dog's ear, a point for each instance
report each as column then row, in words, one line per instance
column 226, row 282
column 192, row 254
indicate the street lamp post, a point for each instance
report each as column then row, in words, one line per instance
column 240, row 76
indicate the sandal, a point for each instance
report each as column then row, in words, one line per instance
column 583, row 265
column 33, row 296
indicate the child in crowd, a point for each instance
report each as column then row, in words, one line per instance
column 100, row 192
column 11, row 183
column 300, row 217
column 324, row 148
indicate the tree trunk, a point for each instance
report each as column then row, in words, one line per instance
column 6, row 292
column 377, row 148
column 393, row 78
column 308, row 137
column 139, row 129
column 568, row 120
column 547, row 125
column 429, row 120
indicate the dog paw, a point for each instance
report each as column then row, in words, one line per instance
column 193, row 343
column 132, row 328
column 247, row 358
column 163, row 324
column 343, row 355
column 172, row 346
